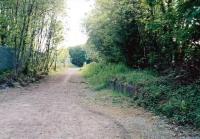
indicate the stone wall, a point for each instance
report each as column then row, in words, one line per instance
column 122, row 87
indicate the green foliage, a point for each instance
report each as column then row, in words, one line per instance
column 160, row 94
column 5, row 75
column 91, row 53
column 33, row 30
column 160, row 34
column 99, row 74
column 105, row 72
column 78, row 56
column 109, row 28
column 63, row 55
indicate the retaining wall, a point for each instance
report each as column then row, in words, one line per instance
column 122, row 87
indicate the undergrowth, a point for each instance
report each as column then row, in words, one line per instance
column 5, row 75
column 160, row 94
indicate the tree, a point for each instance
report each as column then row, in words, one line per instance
column 78, row 56
column 158, row 34
column 32, row 29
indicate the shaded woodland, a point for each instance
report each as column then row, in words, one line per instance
column 33, row 30
column 163, row 35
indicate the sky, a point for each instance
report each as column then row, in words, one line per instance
column 76, row 11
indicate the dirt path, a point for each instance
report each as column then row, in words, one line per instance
column 54, row 109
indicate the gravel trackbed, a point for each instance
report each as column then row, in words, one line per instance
column 53, row 109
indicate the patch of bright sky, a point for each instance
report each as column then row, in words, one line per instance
column 76, row 11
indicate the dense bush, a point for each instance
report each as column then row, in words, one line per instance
column 158, row 34
column 159, row 94
column 78, row 56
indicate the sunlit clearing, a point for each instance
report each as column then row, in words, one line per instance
column 77, row 11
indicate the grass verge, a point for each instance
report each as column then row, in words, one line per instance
column 180, row 103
